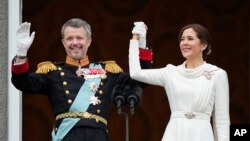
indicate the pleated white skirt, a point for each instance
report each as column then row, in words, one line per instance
column 184, row 129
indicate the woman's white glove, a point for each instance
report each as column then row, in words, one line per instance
column 24, row 39
column 141, row 29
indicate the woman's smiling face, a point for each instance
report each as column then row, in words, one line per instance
column 190, row 45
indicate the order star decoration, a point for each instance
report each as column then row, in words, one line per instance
column 93, row 87
column 93, row 99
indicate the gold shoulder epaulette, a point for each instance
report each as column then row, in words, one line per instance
column 45, row 67
column 112, row 67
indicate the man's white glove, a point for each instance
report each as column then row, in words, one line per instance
column 141, row 29
column 24, row 39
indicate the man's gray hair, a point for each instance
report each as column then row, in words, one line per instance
column 77, row 23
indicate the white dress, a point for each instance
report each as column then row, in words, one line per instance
column 195, row 95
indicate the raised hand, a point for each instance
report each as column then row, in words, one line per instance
column 140, row 29
column 24, row 39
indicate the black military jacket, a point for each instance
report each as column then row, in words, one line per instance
column 62, row 85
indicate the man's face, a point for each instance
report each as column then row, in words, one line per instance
column 76, row 42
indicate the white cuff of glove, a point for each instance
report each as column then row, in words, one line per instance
column 142, row 42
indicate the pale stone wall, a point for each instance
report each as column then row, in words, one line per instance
column 3, row 69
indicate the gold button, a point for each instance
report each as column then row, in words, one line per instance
column 98, row 111
column 101, row 83
column 56, row 129
column 67, row 91
column 62, row 73
column 100, row 92
column 59, row 68
column 65, row 83
column 69, row 101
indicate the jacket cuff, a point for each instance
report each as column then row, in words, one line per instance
column 146, row 54
column 20, row 68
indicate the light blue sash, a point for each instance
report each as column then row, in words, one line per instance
column 80, row 104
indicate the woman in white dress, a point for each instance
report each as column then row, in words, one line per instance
column 196, row 90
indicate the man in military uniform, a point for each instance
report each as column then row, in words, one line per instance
column 79, row 91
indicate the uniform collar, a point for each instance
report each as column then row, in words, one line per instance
column 83, row 62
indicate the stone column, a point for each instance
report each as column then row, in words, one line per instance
column 3, row 69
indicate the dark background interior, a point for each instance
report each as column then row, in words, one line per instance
column 112, row 22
